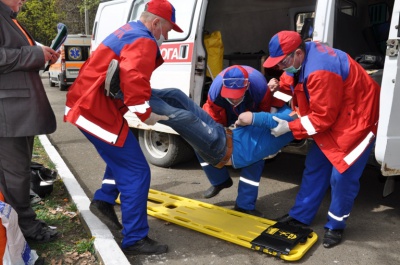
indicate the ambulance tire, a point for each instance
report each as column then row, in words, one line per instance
column 51, row 83
column 63, row 87
column 164, row 149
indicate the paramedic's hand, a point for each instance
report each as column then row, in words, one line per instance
column 273, row 85
column 50, row 55
column 155, row 118
column 282, row 128
column 244, row 119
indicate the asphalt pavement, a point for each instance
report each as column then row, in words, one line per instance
column 372, row 235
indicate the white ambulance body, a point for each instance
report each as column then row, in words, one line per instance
column 366, row 29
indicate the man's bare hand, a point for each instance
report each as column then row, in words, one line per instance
column 50, row 54
column 244, row 119
column 273, row 85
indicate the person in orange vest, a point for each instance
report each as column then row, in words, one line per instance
column 25, row 111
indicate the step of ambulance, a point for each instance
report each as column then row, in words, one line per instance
column 284, row 241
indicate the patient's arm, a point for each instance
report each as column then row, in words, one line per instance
column 244, row 119
column 263, row 119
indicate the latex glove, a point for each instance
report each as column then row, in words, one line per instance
column 244, row 119
column 155, row 118
column 282, row 128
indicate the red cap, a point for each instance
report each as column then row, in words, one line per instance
column 280, row 45
column 234, row 82
column 164, row 9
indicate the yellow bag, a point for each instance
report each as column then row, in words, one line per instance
column 215, row 52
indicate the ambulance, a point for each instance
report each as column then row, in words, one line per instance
column 74, row 52
column 368, row 30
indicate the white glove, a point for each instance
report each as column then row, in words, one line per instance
column 283, row 127
column 155, row 118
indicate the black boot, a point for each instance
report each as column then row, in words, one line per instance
column 214, row 190
column 332, row 237
column 106, row 213
column 287, row 219
column 145, row 246
column 251, row 212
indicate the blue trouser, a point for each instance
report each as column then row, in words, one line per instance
column 204, row 134
column 128, row 174
column 248, row 182
column 318, row 176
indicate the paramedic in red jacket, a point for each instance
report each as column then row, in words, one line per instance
column 338, row 106
column 237, row 89
column 100, row 118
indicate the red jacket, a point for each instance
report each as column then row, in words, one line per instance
column 88, row 108
column 338, row 104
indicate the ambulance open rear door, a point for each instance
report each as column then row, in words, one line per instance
column 387, row 149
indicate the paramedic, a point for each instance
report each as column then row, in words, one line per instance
column 337, row 103
column 235, row 90
column 135, row 46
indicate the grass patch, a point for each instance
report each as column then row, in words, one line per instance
column 74, row 245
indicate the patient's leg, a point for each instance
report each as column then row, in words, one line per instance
column 192, row 123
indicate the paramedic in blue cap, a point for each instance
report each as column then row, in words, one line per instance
column 235, row 90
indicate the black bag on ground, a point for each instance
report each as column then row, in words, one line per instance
column 42, row 179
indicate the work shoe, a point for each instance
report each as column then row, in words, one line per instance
column 111, row 85
column 251, row 212
column 287, row 219
column 332, row 237
column 214, row 190
column 106, row 213
column 145, row 246
column 44, row 235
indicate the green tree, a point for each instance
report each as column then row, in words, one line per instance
column 41, row 17
column 72, row 14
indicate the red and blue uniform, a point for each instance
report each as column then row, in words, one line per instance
column 338, row 106
column 101, row 120
column 257, row 98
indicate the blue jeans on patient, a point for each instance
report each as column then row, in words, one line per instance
column 193, row 124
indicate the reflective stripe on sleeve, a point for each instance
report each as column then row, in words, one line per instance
column 96, row 130
column 305, row 121
column 353, row 155
column 67, row 109
column 140, row 108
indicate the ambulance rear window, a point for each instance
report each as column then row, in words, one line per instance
column 76, row 53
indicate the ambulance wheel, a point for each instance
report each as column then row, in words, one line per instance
column 51, row 83
column 63, row 87
column 164, row 149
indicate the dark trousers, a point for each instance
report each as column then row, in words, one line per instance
column 15, row 176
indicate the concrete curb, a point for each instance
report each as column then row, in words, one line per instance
column 107, row 249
